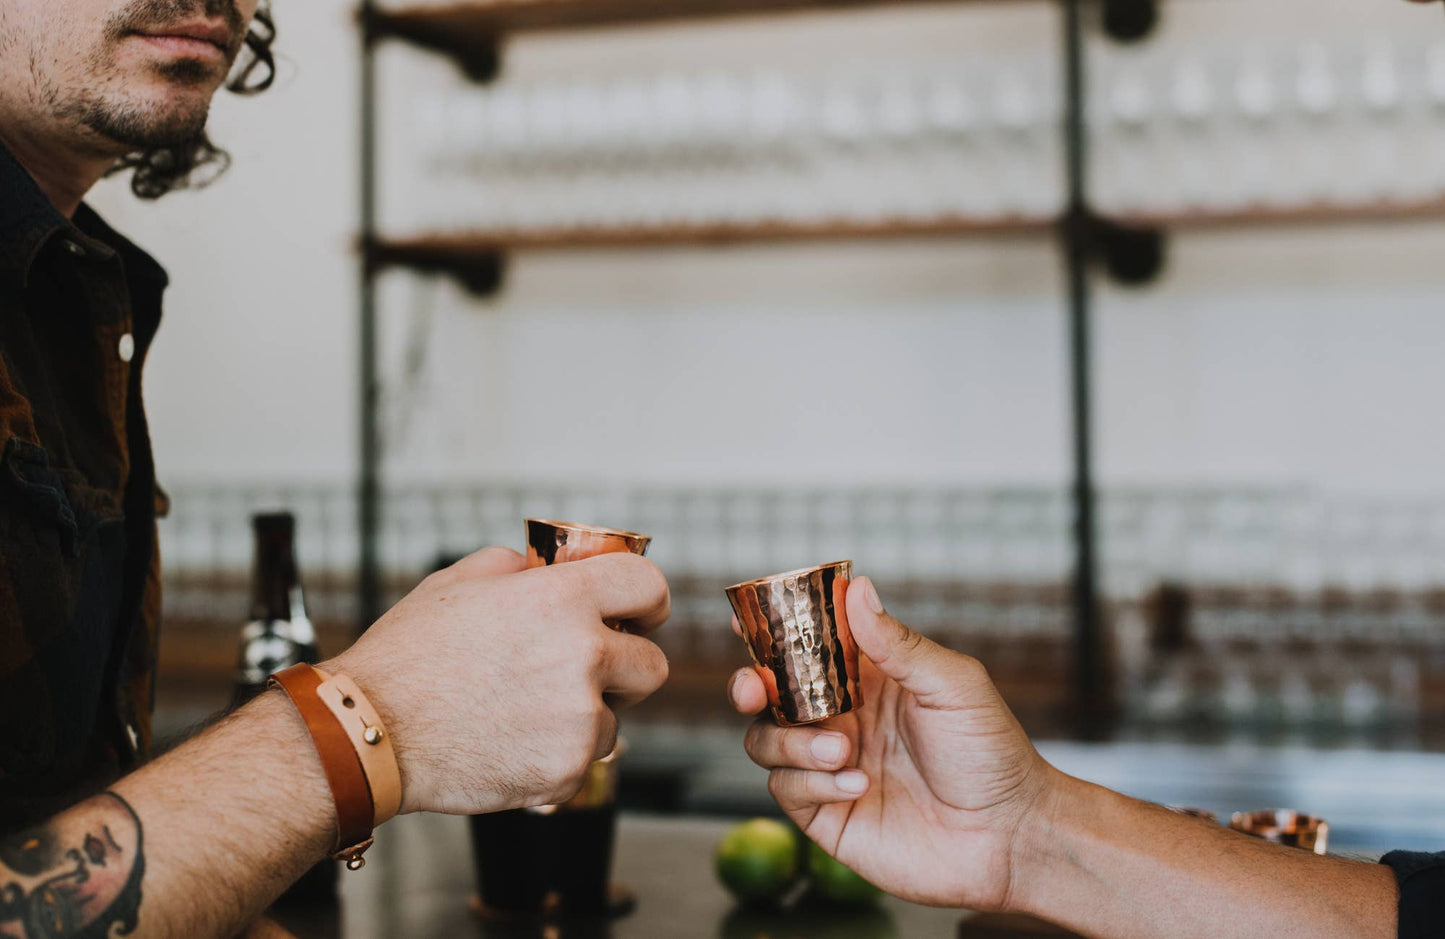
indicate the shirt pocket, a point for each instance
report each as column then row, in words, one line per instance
column 62, row 555
column 36, row 496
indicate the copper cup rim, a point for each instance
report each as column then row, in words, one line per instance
column 590, row 529
column 785, row 575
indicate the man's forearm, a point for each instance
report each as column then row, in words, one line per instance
column 195, row 844
column 1108, row 865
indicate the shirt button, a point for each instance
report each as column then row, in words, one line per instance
column 126, row 349
column 75, row 248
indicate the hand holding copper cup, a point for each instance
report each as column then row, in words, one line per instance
column 1284, row 826
column 796, row 627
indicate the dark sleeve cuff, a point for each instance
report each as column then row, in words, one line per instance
column 1422, row 892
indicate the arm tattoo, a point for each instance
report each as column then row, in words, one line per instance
column 76, row 876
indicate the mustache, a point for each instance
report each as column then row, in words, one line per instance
column 147, row 16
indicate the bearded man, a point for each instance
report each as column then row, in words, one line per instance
column 495, row 685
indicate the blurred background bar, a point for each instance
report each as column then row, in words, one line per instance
column 597, row 251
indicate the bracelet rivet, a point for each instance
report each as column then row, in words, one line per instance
column 355, row 863
column 372, row 735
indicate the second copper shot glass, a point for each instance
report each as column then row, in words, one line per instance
column 796, row 627
column 1284, row 826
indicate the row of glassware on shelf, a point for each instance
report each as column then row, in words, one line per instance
column 719, row 114
column 1323, row 690
column 915, row 142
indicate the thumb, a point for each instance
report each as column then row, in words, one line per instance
column 932, row 674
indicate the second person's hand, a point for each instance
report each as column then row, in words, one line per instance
column 927, row 788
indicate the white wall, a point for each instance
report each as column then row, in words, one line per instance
column 1263, row 356
column 252, row 372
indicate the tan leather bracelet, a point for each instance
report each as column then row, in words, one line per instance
column 370, row 740
column 340, row 744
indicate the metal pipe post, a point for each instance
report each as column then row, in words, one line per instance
column 1090, row 683
column 368, row 508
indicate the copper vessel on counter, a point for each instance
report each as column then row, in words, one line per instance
column 1284, row 826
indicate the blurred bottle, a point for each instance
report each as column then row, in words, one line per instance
column 279, row 635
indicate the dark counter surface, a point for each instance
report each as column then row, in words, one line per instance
column 418, row 882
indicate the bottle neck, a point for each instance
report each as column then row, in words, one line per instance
column 273, row 578
column 278, row 603
column 279, row 633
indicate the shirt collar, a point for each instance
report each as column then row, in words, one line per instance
column 27, row 218
column 28, row 221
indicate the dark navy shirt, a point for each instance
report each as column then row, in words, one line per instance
column 79, row 585
column 1422, row 893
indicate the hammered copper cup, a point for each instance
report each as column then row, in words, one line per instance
column 796, row 627
column 1284, row 826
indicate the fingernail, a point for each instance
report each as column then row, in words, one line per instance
column 871, row 596
column 828, row 748
column 733, row 686
column 851, row 780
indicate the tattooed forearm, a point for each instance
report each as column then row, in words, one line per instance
column 77, row 876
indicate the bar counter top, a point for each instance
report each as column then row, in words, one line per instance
column 418, row 883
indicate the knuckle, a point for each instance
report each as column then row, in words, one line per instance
column 606, row 736
column 658, row 667
column 571, row 582
column 588, row 648
column 910, row 641
column 780, row 784
column 435, row 580
column 971, row 668
column 654, row 582
column 753, row 738
column 498, row 555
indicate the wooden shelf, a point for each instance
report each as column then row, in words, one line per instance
column 1317, row 214
column 446, row 28
column 478, row 257
column 423, row 248
column 472, row 33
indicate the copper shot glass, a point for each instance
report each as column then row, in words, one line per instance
column 1284, row 826
column 550, row 542
column 796, row 627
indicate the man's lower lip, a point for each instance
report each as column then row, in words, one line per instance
column 182, row 46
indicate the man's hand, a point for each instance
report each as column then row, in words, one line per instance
column 925, row 788
column 491, row 678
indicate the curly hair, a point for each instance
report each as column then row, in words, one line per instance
column 198, row 161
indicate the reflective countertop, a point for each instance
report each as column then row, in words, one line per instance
column 418, row 883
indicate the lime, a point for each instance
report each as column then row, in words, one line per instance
column 834, row 880
column 758, row 860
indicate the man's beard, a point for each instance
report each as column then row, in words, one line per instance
column 147, row 127
column 141, row 125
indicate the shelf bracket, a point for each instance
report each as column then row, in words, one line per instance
column 481, row 273
column 481, row 62
column 1130, row 20
column 476, row 51
column 1133, row 255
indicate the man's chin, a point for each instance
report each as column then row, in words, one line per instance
column 150, row 127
